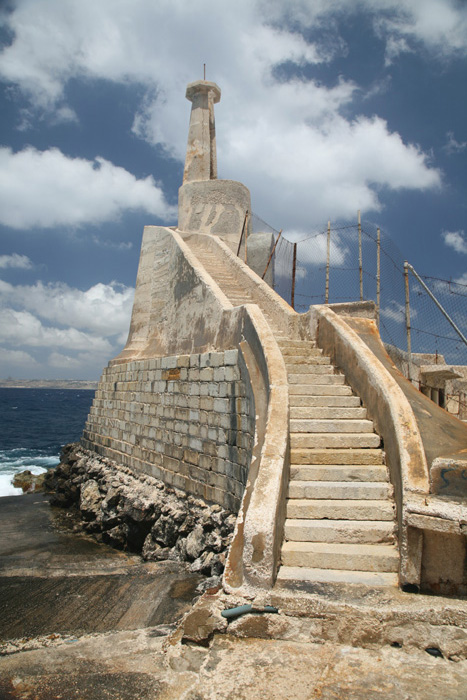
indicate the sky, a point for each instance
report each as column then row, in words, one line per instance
column 328, row 107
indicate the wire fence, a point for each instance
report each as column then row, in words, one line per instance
column 352, row 261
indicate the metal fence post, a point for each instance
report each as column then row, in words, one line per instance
column 378, row 274
column 407, row 312
column 328, row 259
column 294, row 267
column 360, row 257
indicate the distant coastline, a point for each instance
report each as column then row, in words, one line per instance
column 48, row 384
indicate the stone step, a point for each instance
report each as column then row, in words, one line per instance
column 299, row 345
column 312, row 378
column 341, row 490
column 320, row 456
column 338, row 472
column 320, row 389
column 309, row 509
column 329, row 555
column 290, row 574
column 316, row 425
column 296, row 363
column 298, row 356
column 293, row 361
column 330, row 440
column 343, row 531
column 310, row 368
column 297, row 400
column 326, row 412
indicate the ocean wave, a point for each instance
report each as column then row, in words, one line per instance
column 18, row 460
column 6, row 486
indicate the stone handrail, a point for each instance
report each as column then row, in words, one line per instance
column 188, row 312
column 254, row 555
column 393, row 417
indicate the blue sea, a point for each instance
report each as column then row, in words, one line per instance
column 35, row 425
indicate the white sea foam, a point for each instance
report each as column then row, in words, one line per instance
column 6, row 487
column 18, row 460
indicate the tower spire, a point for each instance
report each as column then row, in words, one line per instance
column 201, row 156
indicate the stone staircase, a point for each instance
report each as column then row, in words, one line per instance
column 340, row 512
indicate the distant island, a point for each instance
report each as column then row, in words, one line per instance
column 48, row 384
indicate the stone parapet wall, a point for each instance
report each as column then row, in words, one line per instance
column 188, row 420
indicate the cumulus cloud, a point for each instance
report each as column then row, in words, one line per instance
column 293, row 136
column 78, row 331
column 15, row 260
column 439, row 25
column 313, row 250
column 395, row 311
column 103, row 309
column 454, row 146
column 455, row 240
column 23, row 328
column 16, row 358
column 47, row 189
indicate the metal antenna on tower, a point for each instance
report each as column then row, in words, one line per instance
column 204, row 65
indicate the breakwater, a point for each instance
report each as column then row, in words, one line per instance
column 140, row 513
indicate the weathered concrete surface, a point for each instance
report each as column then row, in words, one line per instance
column 443, row 435
column 201, row 160
column 214, row 206
column 56, row 582
column 114, row 643
column 134, row 666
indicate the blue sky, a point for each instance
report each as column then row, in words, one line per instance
column 328, row 106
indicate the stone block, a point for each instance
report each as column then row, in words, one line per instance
column 230, row 357
column 191, row 457
column 206, row 403
column 207, row 374
column 169, row 362
column 205, row 359
column 216, row 359
column 221, row 405
column 232, row 374
column 183, row 361
column 213, row 389
column 205, row 461
column 195, row 444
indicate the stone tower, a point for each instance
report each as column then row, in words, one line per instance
column 206, row 204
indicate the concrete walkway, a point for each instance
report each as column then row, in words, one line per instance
column 136, row 666
column 80, row 621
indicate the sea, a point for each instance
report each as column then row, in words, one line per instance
column 34, row 426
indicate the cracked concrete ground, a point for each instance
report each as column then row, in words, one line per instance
column 141, row 665
column 109, row 631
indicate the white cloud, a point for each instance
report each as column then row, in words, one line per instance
column 15, row 260
column 63, row 328
column 47, row 189
column 15, row 358
column 453, row 146
column 396, row 312
column 462, row 279
column 23, row 328
column 455, row 240
column 439, row 25
column 290, row 140
column 313, row 250
column 103, row 309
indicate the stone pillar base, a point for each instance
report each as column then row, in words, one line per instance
column 213, row 206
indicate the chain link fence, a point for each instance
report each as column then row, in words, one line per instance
column 352, row 261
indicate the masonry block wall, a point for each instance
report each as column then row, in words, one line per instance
column 188, row 420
